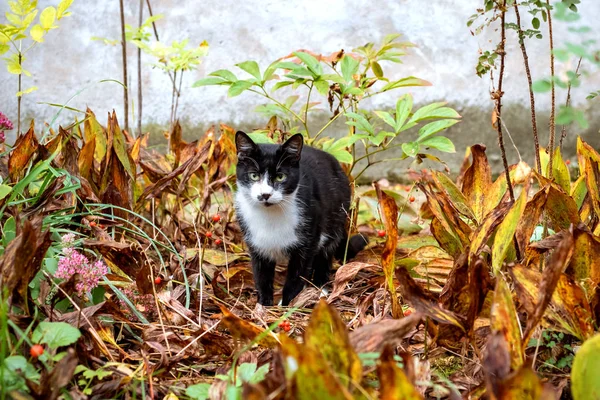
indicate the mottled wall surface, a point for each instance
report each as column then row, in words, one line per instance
column 265, row 30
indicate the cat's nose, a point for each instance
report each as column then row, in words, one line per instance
column 264, row 196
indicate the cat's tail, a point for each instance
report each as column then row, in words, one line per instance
column 351, row 247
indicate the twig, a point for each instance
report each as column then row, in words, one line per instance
column 563, row 133
column 498, row 98
column 19, row 97
column 553, row 105
column 511, row 139
column 124, row 52
column 536, row 139
column 139, row 65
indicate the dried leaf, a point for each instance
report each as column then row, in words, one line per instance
column 476, row 181
column 23, row 151
column 394, row 383
column 504, row 320
column 389, row 210
column 246, row 331
column 375, row 336
column 326, row 333
column 505, row 233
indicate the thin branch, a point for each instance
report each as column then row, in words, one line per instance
column 125, row 83
column 563, row 133
column 139, row 65
column 19, row 97
column 498, row 97
column 551, row 134
column 536, row 139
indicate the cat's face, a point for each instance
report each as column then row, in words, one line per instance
column 268, row 174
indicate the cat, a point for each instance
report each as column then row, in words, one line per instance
column 292, row 203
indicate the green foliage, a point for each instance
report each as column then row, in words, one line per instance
column 345, row 80
column 561, row 354
column 585, row 376
column 244, row 373
column 55, row 334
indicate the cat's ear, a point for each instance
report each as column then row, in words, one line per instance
column 244, row 143
column 293, row 146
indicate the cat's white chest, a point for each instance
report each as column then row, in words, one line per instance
column 270, row 230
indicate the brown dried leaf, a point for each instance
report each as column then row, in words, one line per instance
column 375, row 336
column 476, row 181
column 245, row 330
column 23, row 151
column 389, row 210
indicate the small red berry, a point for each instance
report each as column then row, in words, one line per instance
column 381, row 233
column 216, row 218
column 411, row 199
column 285, row 325
column 218, row 242
column 36, row 350
column 93, row 224
column 101, row 226
column 158, row 280
column 568, row 162
column 209, row 234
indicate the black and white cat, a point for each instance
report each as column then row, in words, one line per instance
column 292, row 203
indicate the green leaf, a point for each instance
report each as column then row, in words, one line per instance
column 541, row 86
column 440, row 143
column 47, row 18
column 386, row 117
column 354, row 91
column 4, row 48
column 535, row 23
column 252, row 68
column 4, row 191
column 198, row 391
column 405, row 82
column 322, row 87
column 342, row 156
column 238, row 87
column 225, row 74
column 37, row 33
column 55, row 334
column 434, row 127
column 349, row 67
column 378, row 139
column 360, row 122
column 403, row 108
column 411, row 149
column 281, row 84
column 585, row 374
column 377, row 70
column 312, row 63
column 270, row 71
column 211, row 80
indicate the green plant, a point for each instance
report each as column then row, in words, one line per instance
column 559, row 355
column 14, row 38
column 345, row 80
column 244, row 373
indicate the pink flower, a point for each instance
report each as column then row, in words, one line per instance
column 5, row 123
column 73, row 263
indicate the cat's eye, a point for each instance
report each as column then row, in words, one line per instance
column 254, row 176
column 280, row 177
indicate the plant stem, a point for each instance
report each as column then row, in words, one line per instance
column 19, row 97
column 550, row 150
column 266, row 95
column 536, row 139
column 327, row 125
column 312, row 84
column 502, row 52
column 125, row 83
column 139, row 65
column 563, row 133
column 177, row 94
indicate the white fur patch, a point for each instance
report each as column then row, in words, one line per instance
column 272, row 228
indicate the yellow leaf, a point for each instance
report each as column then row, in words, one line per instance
column 504, row 320
column 62, row 7
column 26, row 91
column 506, row 232
column 37, row 33
column 394, row 382
column 47, row 17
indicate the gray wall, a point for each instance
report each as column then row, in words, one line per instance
column 265, row 30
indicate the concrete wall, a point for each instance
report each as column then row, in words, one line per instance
column 264, row 30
